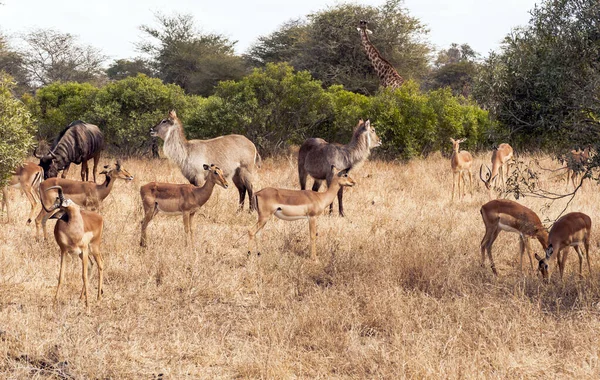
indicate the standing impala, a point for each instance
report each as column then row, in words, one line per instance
column 575, row 164
column 500, row 159
column 297, row 204
column 27, row 177
column 506, row 215
column 179, row 199
column 571, row 230
column 461, row 162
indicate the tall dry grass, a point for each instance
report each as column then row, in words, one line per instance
column 399, row 291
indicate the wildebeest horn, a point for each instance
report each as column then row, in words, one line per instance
column 35, row 153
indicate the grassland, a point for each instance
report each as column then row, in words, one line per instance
column 399, row 290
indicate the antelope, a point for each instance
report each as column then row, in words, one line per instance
column 500, row 159
column 317, row 155
column 77, row 232
column 506, row 215
column 575, row 162
column 461, row 162
column 234, row 154
column 27, row 177
column 88, row 195
column 571, row 230
column 179, row 199
column 293, row 205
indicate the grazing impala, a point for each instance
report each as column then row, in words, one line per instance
column 88, row 195
column 506, row 215
column 461, row 162
column 500, row 159
column 575, row 162
column 571, row 230
column 77, row 232
column 297, row 204
column 27, row 177
column 179, row 199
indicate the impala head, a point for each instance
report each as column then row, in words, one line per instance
column 165, row 126
column 117, row 171
column 488, row 179
column 456, row 143
column 362, row 25
column 342, row 176
column 216, row 175
column 543, row 266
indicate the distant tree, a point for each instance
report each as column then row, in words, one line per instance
column 328, row 45
column 51, row 56
column 456, row 68
column 11, row 62
column 183, row 56
column 123, row 68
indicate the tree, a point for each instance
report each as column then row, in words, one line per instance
column 328, row 45
column 456, row 68
column 123, row 68
column 51, row 56
column 544, row 85
column 11, row 62
column 183, row 56
column 16, row 130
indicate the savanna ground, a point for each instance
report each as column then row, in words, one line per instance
column 399, row 290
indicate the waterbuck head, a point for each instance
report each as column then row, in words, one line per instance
column 342, row 177
column 364, row 128
column 117, row 172
column 543, row 266
column 166, row 126
column 216, row 175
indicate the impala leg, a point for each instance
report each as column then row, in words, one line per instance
column 5, row 202
column 95, row 251
column 470, row 182
column 528, row 248
column 494, row 235
column 453, row 184
column 262, row 220
column 485, row 243
column 586, row 244
column 32, row 201
column 84, row 273
column 61, row 273
column 312, row 226
column 562, row 258
column 191, row 227
column 186, row 226
column 150, row 213
column 580, row 256
column 521, row 250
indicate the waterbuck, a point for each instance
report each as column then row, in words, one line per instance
column 316, row 156
column 234, row 154
column 178, row 199
column 76, row 144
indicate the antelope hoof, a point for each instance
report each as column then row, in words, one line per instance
column 249, row 253
column 257, row 253
column 28, row 221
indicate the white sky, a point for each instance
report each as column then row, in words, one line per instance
column 112, row 25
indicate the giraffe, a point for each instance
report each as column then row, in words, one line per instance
column 388, row 76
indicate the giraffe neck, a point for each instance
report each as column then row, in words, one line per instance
column 388, row 76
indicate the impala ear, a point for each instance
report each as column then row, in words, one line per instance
column 172, row 114
column 452, row 140
column 537, row 257
column 206, row 167
column 105, row 166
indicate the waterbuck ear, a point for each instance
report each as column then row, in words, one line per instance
column 368, row 124
column 206, row 167
column 172, row 114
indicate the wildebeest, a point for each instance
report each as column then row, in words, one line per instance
column 234, row 154
column 76, row 144
column 317, row 155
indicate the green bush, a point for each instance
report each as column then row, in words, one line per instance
column 16, row 129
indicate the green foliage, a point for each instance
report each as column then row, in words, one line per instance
column 123, row 68
column 125, row 110
column 455, row 67
column 544, row 85
column 16, row 127
column 328, row 45
column 58, row 104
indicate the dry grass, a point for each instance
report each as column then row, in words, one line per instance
column 399, row 291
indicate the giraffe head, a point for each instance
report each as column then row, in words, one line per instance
column 362, row 25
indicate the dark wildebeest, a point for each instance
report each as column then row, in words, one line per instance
column 76, row 144
column 317, row 155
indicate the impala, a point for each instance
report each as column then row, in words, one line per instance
column 461, row 162
column 506, row 215
column 77, row 232
column 575, row 163
column 297, row 204
column 500, row 159
column 179, row 199
column 571, row 230
column 27, row 177
column 88, row 195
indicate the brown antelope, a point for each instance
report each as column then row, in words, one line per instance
column 179, row 199
column 27, row 177
column 297, row 204
column 506, row 215
column 317, row 155
column 234, row 154
column 77, row 232
column 88, row 195
column 575, row 161
column 500, row 159
column 461, row 162
column 571, row 230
